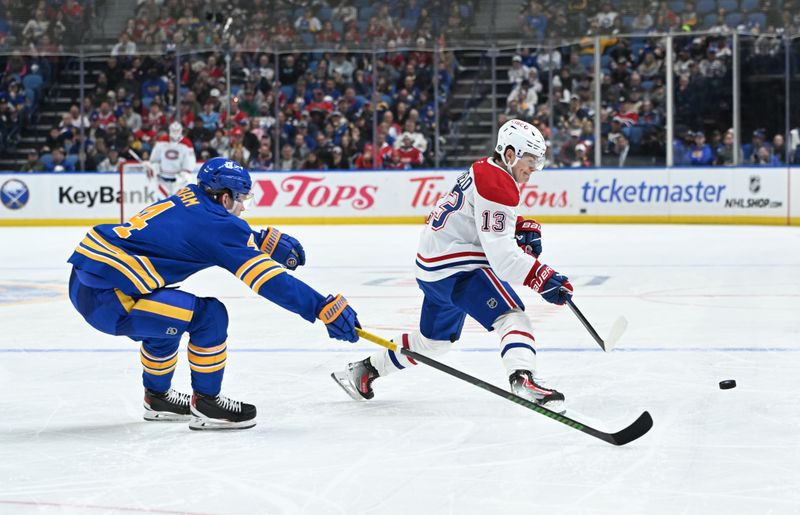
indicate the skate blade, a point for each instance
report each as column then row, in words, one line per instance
column 213, row 424
column 555, row 406
column 164, row 416
column 343, row 381
column 200, row 423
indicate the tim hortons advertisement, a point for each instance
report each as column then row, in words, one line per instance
column 754, row 195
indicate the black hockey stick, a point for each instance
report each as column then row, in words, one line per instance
column 639, row 427
column 616, row 330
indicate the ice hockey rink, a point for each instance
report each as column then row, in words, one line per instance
column 704, row 303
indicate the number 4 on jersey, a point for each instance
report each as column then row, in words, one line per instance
column 139, row 220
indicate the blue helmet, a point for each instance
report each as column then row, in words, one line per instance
column 219, row 174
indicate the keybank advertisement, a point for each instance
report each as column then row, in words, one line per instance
column 410, row 196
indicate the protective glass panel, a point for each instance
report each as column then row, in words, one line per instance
column 703, row 100
column 468, row 112
column 763, row 100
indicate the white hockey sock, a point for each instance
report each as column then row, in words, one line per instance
column 386, row 362
column 517, row 345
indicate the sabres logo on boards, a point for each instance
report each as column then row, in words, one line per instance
column 14, row 194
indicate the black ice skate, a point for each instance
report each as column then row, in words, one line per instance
column 220, row 412
column 357, row 379
column 524, row 385
column 170, row 406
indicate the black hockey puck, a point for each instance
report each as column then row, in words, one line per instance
column 727, row 384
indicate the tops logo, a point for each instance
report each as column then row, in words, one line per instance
column 14, row 194
column 305, row 191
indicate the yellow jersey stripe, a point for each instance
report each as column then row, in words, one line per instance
column 250, row 262
column 154, row 358
column 148, row 265
column 266, row 277
column 126, row 300
column 126, row 258
column 207, row 350
column 258, row 270
column 121, row 268
column 157, row 372
column 207, row 369
column 162, row 309
column 159, row 365
column 207, row 360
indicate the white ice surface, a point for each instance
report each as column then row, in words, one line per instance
column 703, row 304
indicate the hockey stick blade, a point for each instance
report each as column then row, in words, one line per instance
column 619, row 326
column 639, row 427
column 615, row 333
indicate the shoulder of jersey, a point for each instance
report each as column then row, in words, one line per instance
column 186, row 141
column 494, row 183
column 164, row 138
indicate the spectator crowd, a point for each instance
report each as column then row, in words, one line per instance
column 326, row 105
column 310, row 110
column 29, row 31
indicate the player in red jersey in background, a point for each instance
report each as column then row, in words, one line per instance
column 172, row 160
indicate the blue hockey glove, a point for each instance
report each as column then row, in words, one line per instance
column 282, row 248
column 529, row 236
column 340, row 319
column 554, row 287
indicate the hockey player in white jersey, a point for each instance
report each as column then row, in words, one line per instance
column 472, row 247
column 172, row 161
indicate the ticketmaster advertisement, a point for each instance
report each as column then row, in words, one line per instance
column 685, row 195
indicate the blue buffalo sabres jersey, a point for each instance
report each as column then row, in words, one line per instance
column 172, row 239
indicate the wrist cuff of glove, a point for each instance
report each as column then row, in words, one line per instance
column 531, row 274
column 538, row 276
column 332, row 309
column 271, row 239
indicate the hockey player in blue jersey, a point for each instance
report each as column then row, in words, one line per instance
column 120, row 284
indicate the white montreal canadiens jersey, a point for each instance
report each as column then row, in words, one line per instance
column 173, row 156
column 473, row 227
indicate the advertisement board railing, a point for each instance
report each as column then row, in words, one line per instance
column 733, row 195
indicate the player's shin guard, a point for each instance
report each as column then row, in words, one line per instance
column 208, row 366
column 207, row 348
column 517, row 345
column 386, row 362
column 158, row 364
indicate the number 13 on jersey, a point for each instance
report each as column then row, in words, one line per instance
column 451, row 203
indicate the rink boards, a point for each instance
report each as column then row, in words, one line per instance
column 765, row 195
